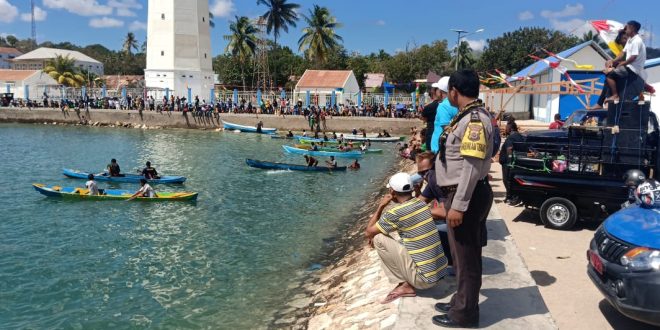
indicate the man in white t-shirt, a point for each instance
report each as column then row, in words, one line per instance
column 144, row 191
column 91, row 185
column 635, row 55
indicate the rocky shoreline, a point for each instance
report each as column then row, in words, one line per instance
column 346, row 294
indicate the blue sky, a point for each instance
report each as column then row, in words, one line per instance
column 368, row 25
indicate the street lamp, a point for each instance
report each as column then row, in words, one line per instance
column 458, row 41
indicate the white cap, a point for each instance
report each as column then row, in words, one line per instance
column 442, row 84
column 400, row 182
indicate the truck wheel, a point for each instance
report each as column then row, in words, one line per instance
column 558, row 213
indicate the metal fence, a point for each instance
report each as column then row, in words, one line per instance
column 59, row 93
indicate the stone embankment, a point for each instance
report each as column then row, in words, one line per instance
column 180, row 120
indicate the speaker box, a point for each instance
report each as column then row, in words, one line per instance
column 628, row 115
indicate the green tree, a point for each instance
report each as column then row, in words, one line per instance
column 319, row 37
column 289, row 64
column 509, row 52
column 464, row 58
column 242, row 41
column 11, row 40
column 360, row 66
column 63, row 70
column 279, row 16
column 130, row 43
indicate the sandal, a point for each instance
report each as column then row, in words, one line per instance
column 394, row 295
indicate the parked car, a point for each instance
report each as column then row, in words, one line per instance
column 624, row 260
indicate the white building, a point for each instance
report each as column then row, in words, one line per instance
column 321, row 84
column 179, row 47
column 6, row 55
column 38, row 59
column 543, row 107
column 34, row 82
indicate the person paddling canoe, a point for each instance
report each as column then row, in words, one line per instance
column 113, row 168
column 149, row 172
column 311, row 161
column 332, row 163
column 145, row 191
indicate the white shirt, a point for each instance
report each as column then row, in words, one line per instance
column 146, row 191
column 92, row 187
column 635, row 46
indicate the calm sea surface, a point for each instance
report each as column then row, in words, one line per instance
column 223, row 262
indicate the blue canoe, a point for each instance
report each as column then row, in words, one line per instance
column 298, row 151
column 291, row 167
column 127, row 178
column 247, row 129
column 311, row 139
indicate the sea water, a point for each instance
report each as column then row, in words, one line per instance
column 226, row 261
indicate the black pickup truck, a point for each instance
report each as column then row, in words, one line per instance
column 576, row 173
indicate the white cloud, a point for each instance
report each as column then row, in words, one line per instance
column 525, row 15
column 125, row 8
column 137, row 25
column 575, row 26
column 380, row 22
column 105, row 22
column 39, row 15
column 476, row 45
column 566, row 12
column 8, row 12
column 222, row 8
column 80, row 7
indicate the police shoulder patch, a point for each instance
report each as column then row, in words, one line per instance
column 474, row 141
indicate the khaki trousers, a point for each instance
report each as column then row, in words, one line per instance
column 399, row 266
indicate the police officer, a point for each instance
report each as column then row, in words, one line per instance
column 462, row 169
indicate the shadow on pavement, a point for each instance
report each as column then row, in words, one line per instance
column 620, row 321
column 515, row 303
column 492, row 266
column 542, row 278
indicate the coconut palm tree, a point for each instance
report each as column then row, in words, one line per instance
column 464, row 56
column 130, row 43
column 63, row 70
column 319, row 37
column 279, row 17
column 242, row 41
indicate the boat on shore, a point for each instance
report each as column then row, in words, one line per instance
column 334, row 149
column 247, row 129
column 126, row 178
column 291, row 167
column 306, row 140
column 373, row 139
column 338, row 154
column 109, row 194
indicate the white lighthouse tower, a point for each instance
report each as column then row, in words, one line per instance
column 179, row 48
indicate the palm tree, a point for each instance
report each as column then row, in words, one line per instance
column 130, row 43
column 464, row 56
column 319, row 37
column 63, row 70
column 279, row 17
column 242, row 41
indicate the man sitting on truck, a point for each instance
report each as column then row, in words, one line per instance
column 633, row 67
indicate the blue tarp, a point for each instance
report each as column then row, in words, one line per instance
column 388, row 87
column 359, row 99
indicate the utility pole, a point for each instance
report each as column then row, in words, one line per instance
column 458, row 42
column 34, row 25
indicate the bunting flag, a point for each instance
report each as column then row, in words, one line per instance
column 576, row 64
column 608, row 30
column 514, row 78
column 561, row 69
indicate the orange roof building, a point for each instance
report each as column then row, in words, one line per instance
column 321, row 84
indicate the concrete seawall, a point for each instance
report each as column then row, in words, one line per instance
column 179, row 120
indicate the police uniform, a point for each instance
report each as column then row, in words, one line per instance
column 462, row 172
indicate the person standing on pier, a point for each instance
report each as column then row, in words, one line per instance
column 419, row 262
column 462, row 166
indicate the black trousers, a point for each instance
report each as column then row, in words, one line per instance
column 466, row 242
column 505, row 180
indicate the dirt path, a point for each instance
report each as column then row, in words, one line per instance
column 557, row 262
